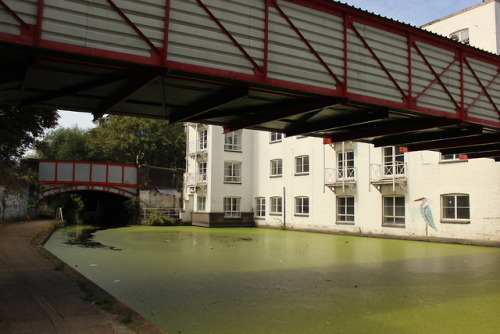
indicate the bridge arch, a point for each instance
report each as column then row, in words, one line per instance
column 60, row 176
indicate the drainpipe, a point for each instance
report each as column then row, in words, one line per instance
column 284, row 208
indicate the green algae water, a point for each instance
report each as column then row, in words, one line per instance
column 198, row 280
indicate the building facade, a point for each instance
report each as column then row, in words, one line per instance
column 251, row 177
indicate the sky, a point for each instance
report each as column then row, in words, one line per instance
column 415, row 12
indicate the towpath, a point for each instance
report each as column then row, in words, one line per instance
column 39, row 294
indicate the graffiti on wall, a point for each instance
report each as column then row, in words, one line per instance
column 426, row 213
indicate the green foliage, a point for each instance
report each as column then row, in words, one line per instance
column 138, row 141
column 158, row 218
column 133, row 207
column 64, row 144
column 20, row 129
column 120, row 139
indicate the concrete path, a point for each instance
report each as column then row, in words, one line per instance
column 37, row 298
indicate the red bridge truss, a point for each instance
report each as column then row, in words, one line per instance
column 310, row 67
column 58, row 176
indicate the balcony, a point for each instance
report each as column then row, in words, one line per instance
column 388, row 174
column 340, row 177
column 195, row 180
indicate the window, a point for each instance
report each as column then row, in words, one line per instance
column 455, row 208
column 232, row 172
column 345, row 165
column 202, row 171
column 394, row 211
column 453, row 157
column 302, row 164
column 276, row 205
column 394, row 161
column 276, row 137
column 461, row 36
column 345, row 210
column 232, row 141
column 202, row 203
column 232, row 207
column 261, row 207
column 302, row 206
column 276, row 167
column 202, row 139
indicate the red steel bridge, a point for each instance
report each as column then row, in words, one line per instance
column 309, row 67
column 58, row 176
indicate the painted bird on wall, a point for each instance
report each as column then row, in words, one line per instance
column 425, row 210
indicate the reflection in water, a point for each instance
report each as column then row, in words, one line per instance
column 198, row 280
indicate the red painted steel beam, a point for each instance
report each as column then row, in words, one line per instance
column 280, row 113
column 306, row 42
column 214, row 101
column 494, row 154
column 256, row 66
column 395, row 127
column 427, row 136
column 356, row 118
column 131, row 88
column 14, row 15
column 472, row 149
column 459, row 142
column 134, row 27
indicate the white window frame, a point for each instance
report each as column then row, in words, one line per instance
column 232, row 171
column 276, row 167
column 302, row 166
column 233, row 141
column 453, row 210
column 394, row 161
column 345, row 210
column 276, row 137
column 260, row 207
column 461, row 36
column 453, row 158
column 345, row 165
column 202, row 139
column 201, row 203
column 232, row 207
column 202, row 171
column 302, row 206
column 391, row 212
column 276, row 205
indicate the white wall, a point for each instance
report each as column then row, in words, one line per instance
column 482, row 22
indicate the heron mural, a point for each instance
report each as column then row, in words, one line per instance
column 425, row 210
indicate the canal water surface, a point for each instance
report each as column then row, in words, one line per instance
column 199, row 280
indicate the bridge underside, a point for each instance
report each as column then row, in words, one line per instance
column 111, row 87
column 316, row 68
column 47, row 191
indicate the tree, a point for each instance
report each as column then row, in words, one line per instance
column 135, row 140
column 64, row 144
column 20, row 129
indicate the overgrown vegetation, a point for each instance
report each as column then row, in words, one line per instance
column 158, row 218
column 104, row 303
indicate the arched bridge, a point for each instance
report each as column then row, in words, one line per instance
column 70, row 176
column 310, row 67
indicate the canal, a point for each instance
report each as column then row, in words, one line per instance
column 199, row 280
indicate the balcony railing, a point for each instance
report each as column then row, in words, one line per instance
column 388, row 173
column 193, row 179
column 340, row 176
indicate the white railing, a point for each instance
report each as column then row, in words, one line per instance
column 389, row 173
column 193, row 179
column 340, row 175
column 165, row 212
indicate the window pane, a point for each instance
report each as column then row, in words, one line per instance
column 463, row 201
column 463, row 213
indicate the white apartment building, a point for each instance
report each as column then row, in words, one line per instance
column 254, row 178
